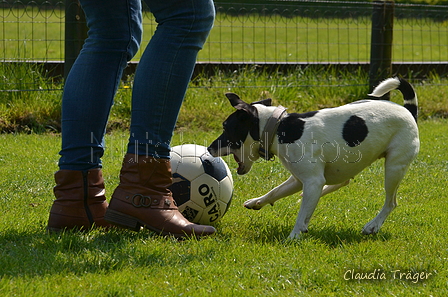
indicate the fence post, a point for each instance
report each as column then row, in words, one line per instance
column 75, row 33
column 381, row 42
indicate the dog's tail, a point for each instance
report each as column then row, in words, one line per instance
column 410, row 97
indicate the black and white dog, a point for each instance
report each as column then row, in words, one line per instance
column 324, row 149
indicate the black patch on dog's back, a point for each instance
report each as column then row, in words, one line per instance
column 291, row 127
column 354, row 131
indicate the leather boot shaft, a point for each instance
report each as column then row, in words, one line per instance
column 80, row 200
column 146, row 176
column 142, row 199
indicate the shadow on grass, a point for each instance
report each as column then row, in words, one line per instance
column 36, row 253
column 330, row 236
column 336, row 237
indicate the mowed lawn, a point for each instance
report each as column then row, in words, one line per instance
column 249, row 256
column 38, row 34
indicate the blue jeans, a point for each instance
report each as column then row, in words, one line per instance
column 160, row 83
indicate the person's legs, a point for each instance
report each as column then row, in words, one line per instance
column 165, row 70
column 114, row 37
column 142, row 198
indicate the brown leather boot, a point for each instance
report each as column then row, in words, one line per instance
column 143, row 199
column 80, row 202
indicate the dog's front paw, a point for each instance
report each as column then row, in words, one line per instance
column 296, row 235
column 255, row 204
column 297, row 231
column 371, row 227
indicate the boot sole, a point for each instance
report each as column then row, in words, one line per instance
column 134, row 224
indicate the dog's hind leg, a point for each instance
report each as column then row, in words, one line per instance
column 394, row 173
column 291, row 186
column 331, row 188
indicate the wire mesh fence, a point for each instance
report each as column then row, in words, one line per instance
column 286, row 32
column 278, row 34
column 32, row 31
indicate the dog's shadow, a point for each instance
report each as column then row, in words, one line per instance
column 336, row 237
column 330, row 236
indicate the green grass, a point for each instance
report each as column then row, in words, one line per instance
column 38, row 109
column 33, row 34
column 249, row 255
column 301, row 39
column 24, row 105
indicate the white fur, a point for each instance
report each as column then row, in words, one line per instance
column 385, row 86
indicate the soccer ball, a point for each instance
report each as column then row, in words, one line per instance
column 202, row 185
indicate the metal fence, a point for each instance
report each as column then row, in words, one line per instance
column 270, row 34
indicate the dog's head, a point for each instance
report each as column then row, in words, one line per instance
column 241, row 135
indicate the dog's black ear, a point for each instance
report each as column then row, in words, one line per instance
column 239, row 104
column 235, row 100
column 265, row 102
